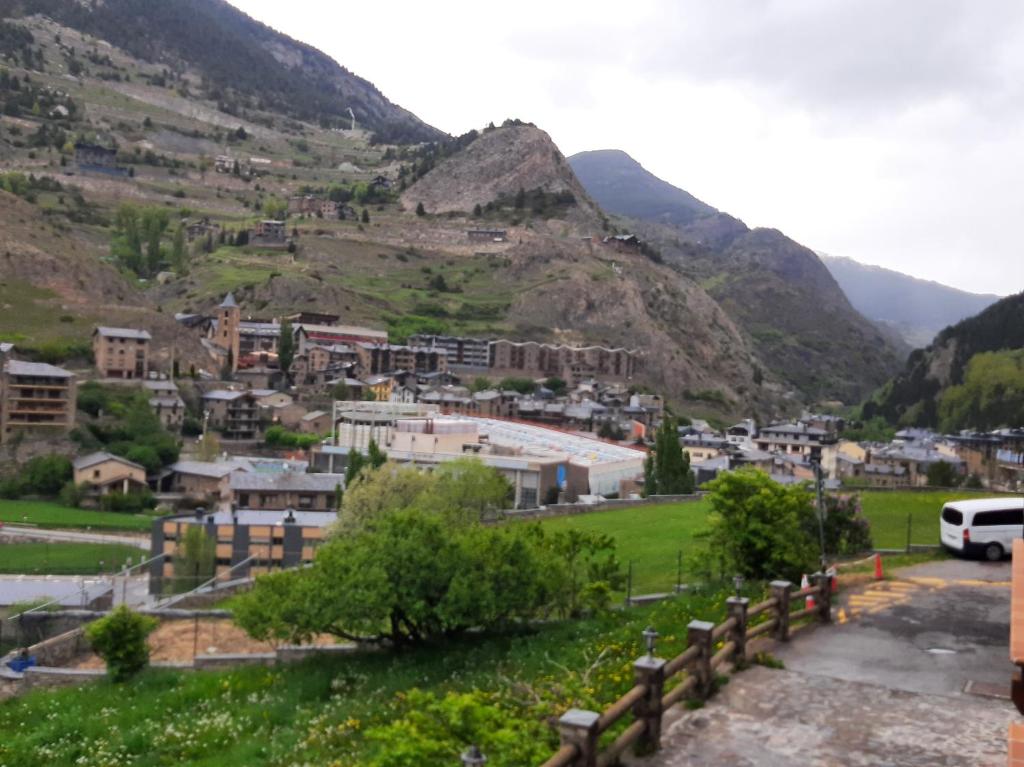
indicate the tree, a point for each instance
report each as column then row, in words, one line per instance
column 480, row 384
column 45, row 474
column 341, row 391
column 758, row 528
column 420, row 210
column 209, row 447
column 520, row 200
column 521, row 385
column 178, row 251
column 286, row 349
column 374, row 458
column 942, row 474
column 195, row 561
column 364, row 216
column 409, row 561
column 669, row 472
column 556, row 385
column 477, row 211
column 120, row 639
column 275, row 207
column 991, row 395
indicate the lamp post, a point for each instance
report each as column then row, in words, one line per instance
column 650, row 635
column 472, row 757
column 737, row 582
column 818, row 480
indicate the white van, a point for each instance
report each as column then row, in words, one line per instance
column 986, row 526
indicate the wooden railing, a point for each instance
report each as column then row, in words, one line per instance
column 709, row 647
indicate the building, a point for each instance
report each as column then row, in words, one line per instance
column 270, row 230
column 307, row 317
column 170, row 409
column 315, row 422
column 794, row 439
column 286, row 490
column 95, row 157
column 327, row 335
column 107, row 473
column 375, row 359
column 381, row 386
column 226, row 330
column 248, row 542
column 624, row 243
column 915, row 460
column 223, row 163
column 121, row 352
column 35, row 398
column 471, row 353
column 200, row 479
column 235, row 414
column 572, row 364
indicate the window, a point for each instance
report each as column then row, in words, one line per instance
column 95, row 473
column 997, row 518
column 305, row 501
column 952, row 516
column 243, row 499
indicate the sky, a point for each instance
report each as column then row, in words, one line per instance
column 887, row 132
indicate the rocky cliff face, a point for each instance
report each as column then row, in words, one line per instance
column 500, row 163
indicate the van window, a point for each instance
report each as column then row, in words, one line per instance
column 994, row 518
column 952, row 516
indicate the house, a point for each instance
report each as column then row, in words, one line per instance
column 35, row 397
column 915, row 460
column 223, row 163
column 107, row 473
column 200, row 479
column 795, row 439
column 121, row 352
column 622, row 242
column 571, row 363
column 380, row 182
column 196, row 230
column 327, row 335
column 233, row 413
column 315, row 422
column 381, row 386
column 170, row 409
column 286, row 490
column 270, row 230
column 307, row 317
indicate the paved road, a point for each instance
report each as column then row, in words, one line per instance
column 72, row 536
column 889, row 685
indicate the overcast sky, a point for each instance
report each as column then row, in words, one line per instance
column 888, row 132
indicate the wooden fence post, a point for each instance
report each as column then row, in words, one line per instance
column 650, row 672
column 738, row 609
column 824, row 583
column 698, row 634
column 578, row 727
column 781, row 591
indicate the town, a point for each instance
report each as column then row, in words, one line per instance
column 331, row 435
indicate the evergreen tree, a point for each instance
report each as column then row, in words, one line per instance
column 365, row 216
column 670, row 469
column 420, row 210
column 286, row 348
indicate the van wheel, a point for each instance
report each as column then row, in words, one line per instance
column 993, row 552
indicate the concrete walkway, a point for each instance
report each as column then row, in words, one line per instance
column 72, row 536
column 914, row 673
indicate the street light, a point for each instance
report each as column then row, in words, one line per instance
column 472, row 757
column 650, row 635
column 737, row 582
column 818, row 480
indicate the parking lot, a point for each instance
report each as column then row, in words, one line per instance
column 915, row 672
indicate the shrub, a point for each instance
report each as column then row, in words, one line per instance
column 129, row 503
column 120, row 639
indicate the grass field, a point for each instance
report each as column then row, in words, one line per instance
column 383, row 708
column 65, row 558
column 47, row 514
column 651, row 537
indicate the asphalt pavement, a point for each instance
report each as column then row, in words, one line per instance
column 73, row 536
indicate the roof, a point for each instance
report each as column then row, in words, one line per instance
column 261, row 517
column 41, row 369
column 167, row 401
column 161, row 385
column 135, row 333
column 102, row 457
column 5, row 347
column 224, row 394
column 205, row 469
column 312, row 415
column 228, row 302
column 794, row 428
column 287, row 481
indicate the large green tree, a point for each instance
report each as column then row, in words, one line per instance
column 286, row 349
column 667, row 471
column 991, row 395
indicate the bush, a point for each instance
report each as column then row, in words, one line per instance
column 120, row 639
column 72, row 495
column 45, row 474
column 128, row 503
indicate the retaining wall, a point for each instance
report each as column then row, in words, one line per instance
column 569, row 509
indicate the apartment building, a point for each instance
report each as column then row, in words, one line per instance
column 35, row 397
column 233, row 413
column 375, row 359
column 121, row 352
column 466, row 353
column 571, row 363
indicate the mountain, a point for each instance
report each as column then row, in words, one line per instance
column 912, row 397
column 246, row 67
column 798, row 320
column 917, row 309
column 620, row 184
column 495, row 166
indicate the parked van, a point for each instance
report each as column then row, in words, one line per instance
column 985, row 526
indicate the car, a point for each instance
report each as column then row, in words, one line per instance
column 982, row 526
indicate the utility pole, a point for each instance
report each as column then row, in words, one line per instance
column 818, row 480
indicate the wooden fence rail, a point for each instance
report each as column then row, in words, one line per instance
column 709, row 647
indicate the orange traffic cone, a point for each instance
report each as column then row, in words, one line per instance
column 879, row 575
column 804, row 583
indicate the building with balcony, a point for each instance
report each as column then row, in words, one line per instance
column 235, row 414
column 35, row 397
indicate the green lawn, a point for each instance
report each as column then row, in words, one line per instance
column 42, row 558
column 650, row 537
column 888, row 511
column 48, row 514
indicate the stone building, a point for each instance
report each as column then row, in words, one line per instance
column 121, row 352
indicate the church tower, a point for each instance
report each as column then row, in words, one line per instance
column 229, row 317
